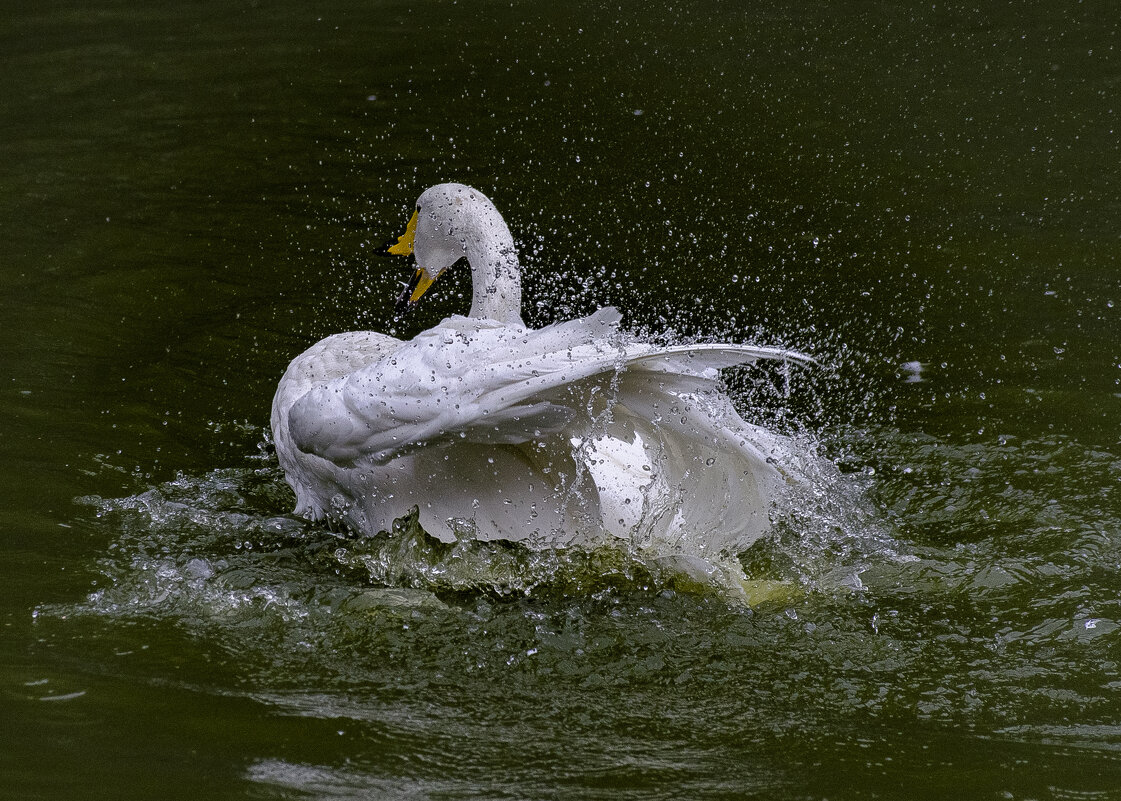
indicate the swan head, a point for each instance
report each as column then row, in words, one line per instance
column 453, row 222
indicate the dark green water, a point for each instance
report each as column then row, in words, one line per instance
column 191, row 193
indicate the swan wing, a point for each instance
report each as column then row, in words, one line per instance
column 479, row 381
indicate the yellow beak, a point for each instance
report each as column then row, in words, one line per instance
column 404, row 246
column 419, row 285
column 421, row 279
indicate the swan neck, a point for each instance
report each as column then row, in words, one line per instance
column 495, row 274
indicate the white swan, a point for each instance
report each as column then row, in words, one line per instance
column 551, row 436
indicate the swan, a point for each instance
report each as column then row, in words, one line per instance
column 571, row 433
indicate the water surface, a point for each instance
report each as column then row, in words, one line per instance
column 921, row 195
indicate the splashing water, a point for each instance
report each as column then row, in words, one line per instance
column 217, row 547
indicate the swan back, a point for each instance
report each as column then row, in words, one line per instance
column 570, row 432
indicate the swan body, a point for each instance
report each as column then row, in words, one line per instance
column 570, row 433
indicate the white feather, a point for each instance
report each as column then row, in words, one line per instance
column 548, row 436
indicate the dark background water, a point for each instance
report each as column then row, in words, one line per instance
column 192, row 193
